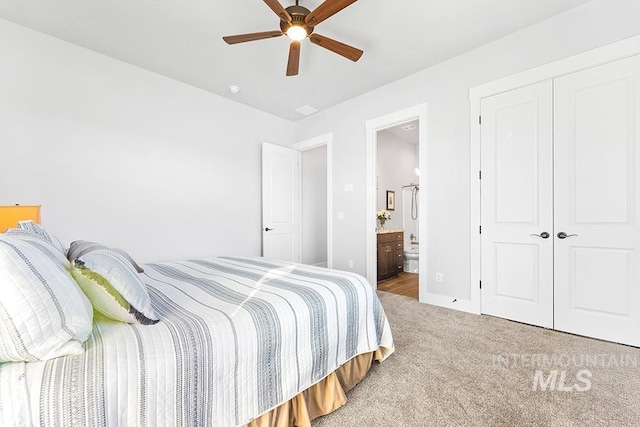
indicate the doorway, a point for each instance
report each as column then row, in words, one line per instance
column 418, row 116
column 316, row 185
column 291, row 229
column 313, row 169
column 397, row 196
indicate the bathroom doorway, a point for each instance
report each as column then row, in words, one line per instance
column 396, row 146
column 397, row 195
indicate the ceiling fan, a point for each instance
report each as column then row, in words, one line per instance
column 298, row 22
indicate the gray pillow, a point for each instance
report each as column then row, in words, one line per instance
column 82, row 247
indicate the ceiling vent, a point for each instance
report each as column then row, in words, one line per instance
column 306, row 110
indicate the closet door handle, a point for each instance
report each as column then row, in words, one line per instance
column 563, row 235
column 544, row 235
column 268, row 229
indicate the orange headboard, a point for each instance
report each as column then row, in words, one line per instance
column 10, row 215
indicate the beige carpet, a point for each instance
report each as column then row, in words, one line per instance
column 457, row 369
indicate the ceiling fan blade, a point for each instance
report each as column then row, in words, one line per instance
column 279, row 10
column 294, row 58
column 345, row 50
column 325, row 10
column 241, row 38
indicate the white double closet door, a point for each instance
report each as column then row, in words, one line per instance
column 560, row 158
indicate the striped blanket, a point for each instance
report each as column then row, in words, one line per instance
column 237, row 337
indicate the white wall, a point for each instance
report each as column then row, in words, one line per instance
column 445, row 89
column 164, row 170
column 396, row 162
column 126, row 157
column 314, row 206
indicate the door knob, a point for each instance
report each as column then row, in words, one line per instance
column 544, row 235
column 268, row 229
column 563, row 235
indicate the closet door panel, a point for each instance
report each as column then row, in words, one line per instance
column 516, row 205
column 597, row 287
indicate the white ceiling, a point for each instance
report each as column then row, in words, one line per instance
column 182, row 39
column 406, row 132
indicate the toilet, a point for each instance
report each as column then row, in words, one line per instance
column 411, row 260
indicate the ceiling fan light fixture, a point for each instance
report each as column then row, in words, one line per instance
column 298, row 23
column 296, row 32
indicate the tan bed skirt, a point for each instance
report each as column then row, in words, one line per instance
column 320, row 399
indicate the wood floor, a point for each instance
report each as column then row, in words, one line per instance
column 404, row 284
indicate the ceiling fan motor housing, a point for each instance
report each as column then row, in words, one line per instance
column 297, row 13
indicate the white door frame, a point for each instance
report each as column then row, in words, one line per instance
column 309, row 144
column 418, row 112
column 581, row 61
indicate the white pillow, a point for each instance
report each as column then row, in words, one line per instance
column 113, row 286
column 40, row 243
column 43, row 312
column 38, row 230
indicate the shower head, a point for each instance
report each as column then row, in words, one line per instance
column 411, row 185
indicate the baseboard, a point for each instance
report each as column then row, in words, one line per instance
column 449, row 302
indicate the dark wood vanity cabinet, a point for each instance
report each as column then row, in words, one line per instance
column 390, row 254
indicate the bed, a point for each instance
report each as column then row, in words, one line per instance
column 239, row 341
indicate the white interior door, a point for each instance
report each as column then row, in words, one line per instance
column 517, row 205
column 597, row 117
column 280, row 203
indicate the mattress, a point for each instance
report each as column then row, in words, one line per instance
column 237, row 337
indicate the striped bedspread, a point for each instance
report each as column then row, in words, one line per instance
column 237, row 337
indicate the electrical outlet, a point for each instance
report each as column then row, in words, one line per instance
column 439, row 278
column 350, row 264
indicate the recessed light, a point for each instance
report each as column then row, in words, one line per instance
column 234, row 89
column 408, row 127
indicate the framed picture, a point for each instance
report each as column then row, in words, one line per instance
column 391, row 200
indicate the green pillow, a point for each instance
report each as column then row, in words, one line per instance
column 113, row 286
column 102, row 295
